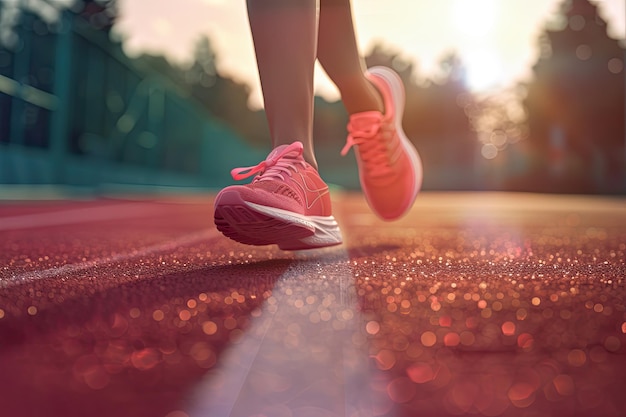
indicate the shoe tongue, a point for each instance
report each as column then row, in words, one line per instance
column 364, row 120
column 293, row 153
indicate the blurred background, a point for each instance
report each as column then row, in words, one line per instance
column 136, row 94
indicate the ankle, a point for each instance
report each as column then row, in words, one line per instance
column 307, row 152
column 361, row 97
column 310, row 159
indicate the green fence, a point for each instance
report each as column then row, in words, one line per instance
column 75, row 110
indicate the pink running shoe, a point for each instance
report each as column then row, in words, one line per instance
column 287, row 204
column 390, row 168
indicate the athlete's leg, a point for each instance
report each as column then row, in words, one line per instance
column 390, row 170
column 339, row 55
column 285, row 41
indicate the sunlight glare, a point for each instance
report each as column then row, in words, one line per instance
column 483, row 69
column 475, row 18
column 475, row 22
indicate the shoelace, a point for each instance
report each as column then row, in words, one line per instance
column 274, row 166
column 372, row 145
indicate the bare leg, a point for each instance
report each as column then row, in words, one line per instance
column 338, row 53
column 285, row 42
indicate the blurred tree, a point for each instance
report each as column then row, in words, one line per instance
column 500, row 122
column 575, row 104
column 224, row 97
column 388, row 56
column 440, row 117
column 203, row 70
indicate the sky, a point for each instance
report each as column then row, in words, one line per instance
column 496, row 39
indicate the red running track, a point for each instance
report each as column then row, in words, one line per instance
column 473, row 304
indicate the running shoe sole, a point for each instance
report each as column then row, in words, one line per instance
column 255, row 224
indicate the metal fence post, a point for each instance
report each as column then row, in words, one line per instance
column 20, row 74
column 61, row 89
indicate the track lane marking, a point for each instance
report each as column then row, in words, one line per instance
column 76, row 216
column 229, row 389
column 67, row 269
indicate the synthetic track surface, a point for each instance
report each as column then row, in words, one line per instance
column 481, row 304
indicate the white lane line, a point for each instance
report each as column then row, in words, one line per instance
column 76, row 216
column 231, row 389
column 184, row 240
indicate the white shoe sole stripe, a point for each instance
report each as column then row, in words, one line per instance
column 326, row 228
